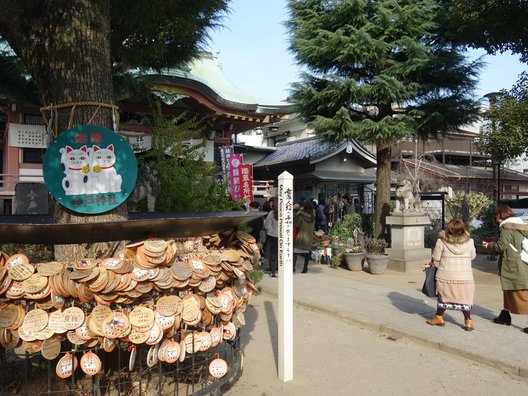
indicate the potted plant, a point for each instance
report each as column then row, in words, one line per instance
column 320, row 244
column 342, row 231
column 375, row 252
column 322, row 239
column 355, row 252
column 338, row 252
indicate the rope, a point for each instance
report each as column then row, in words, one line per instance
column 73, row 105
column 70, row 104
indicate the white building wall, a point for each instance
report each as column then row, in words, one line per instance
column 336, row 162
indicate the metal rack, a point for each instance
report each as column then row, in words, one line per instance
column 30, row 374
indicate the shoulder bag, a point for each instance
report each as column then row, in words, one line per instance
column 429, row 286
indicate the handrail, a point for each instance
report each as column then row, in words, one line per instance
column 139, row 226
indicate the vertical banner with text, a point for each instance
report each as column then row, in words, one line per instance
column 285, row 256
column 246, row 181
column 234, row 162
column 225, row 153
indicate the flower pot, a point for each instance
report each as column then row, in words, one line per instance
column 354, row 261
column 377, row 263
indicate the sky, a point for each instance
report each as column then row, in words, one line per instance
column 253, row 52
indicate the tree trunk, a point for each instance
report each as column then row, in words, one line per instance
column 67, row 51
column 383, row 181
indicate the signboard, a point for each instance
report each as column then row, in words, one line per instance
column 246, row 181
column 26, row 135
column 234, row 176
column 225, row 153
column 139, row 141
column 90, row 169
column 285, row 255
column 240, row 179
column 31, row 198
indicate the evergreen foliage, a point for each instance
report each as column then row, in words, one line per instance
column 475, row 203
column 15, row 82
column 495, row 25
column 144, row 35
column 377, row 71
column 504, row 136
column 188, row 183
column 343, row 230
column 161, row 33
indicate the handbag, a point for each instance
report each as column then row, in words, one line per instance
column 429, row 286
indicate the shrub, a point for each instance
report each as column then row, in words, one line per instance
column 344, row 230
column 188, row 182
column 476, row 203
column 489, row 227
column 375, row 245
column 255, row 275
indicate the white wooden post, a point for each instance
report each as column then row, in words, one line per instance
column 285, row 262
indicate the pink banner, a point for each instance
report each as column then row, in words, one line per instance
column 235, row 161
column 246, row 181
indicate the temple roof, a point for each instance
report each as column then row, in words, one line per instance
column 205, row 75
column 313, row 150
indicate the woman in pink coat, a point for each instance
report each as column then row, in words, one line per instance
column 455, row 286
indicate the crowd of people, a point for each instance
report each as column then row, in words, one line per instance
column 453, row 254
column 308, row 216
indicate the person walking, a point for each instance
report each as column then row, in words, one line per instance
column 455, row 286
column 305, row 223
column 513, row 271
column 272, row 233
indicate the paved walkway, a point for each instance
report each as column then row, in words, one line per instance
column 392, row 303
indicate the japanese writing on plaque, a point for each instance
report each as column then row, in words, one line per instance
column 97, row 200
column 285, row 197
column 246, row 181
column 235, row 161
column 225, row 153
column 93, row 137
column 32, row 201
column 23, row 135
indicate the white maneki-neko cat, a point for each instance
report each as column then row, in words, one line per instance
column 89, row 170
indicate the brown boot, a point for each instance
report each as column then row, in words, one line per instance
column 468, row 324
column 436, row 321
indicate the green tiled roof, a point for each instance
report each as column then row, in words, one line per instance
column 207, row 70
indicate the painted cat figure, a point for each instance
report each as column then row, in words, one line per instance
column 104, row 176
column 76, row 164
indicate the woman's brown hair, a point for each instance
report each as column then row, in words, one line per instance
column 456, row 227
column 503, row 212
column 308, row 208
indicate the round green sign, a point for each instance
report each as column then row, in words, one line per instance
column 90, row 169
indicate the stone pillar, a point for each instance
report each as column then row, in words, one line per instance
column 407, row 252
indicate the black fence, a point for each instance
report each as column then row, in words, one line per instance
column 30, row 374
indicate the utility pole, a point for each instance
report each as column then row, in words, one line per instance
column 496, row 162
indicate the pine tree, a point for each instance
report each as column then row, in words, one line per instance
column 495, row 25
column 377, row 71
